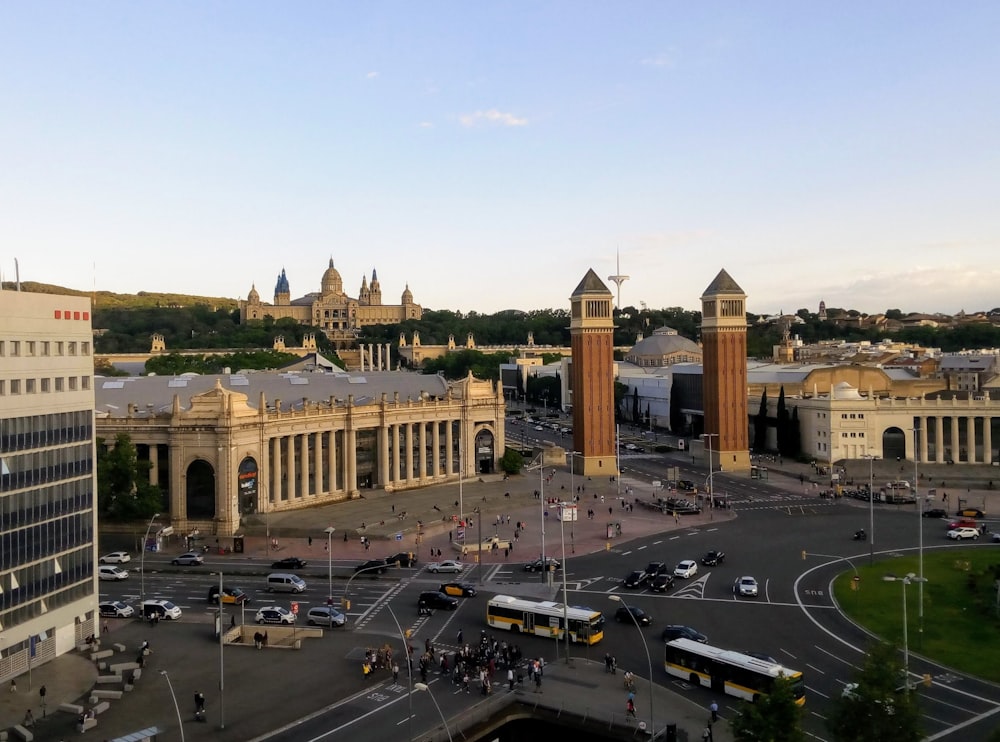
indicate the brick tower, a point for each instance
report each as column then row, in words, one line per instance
column 724, row 373
column 591, row 329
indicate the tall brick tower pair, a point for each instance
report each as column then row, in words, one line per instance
column 724, row 374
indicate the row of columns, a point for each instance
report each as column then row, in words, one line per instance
column 939, row 427
column 391, row 474
column 372, row 355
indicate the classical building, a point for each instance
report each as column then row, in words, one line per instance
column 663, row 348
column 591, row 330
column 724, row 380
column 48, row 480
column 340, row 316
column 225, row 447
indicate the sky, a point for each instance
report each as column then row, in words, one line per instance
column 487, row 154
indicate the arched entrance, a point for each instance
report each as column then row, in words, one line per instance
column 893, row 444
column 200, row 494
column 485, row 444
column 248, row 478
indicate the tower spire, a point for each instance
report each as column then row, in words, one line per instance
column 618, row 279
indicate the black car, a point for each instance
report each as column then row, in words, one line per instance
column 402, row 559
column 935, row 513
column 437, row 599
column 656, row 568
column 637, row 614
column 289, row 563
column 636, row 578
column 536, row 566
column 676, row 631
column 714, row 558
column 372, row 567
column 661, row 583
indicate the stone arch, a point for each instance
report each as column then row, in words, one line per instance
column 200, row 490
column 484, row 444
column 893, row 444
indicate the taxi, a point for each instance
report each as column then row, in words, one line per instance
column 458, row 589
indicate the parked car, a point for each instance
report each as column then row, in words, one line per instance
column 687, row 568
column 115, row 557
column 325, row 615
column 448, row 565
column 960, row 534
column 437, row 599
column 459, row 589
column 713, row 558
column 676, row 631
column 188, row 559
column 162, row 608
column 402, row 559
column 289, row 563
column 745, row 587
column 372, row 567
column 275, row 614
column 635, row 578
column 115, row 609
column 111, row 572
column 230, row 595
column 630, row 612
column 996, row 536
column 935, row 513
column 971, row 513
column 661, row 583
column 536, row 566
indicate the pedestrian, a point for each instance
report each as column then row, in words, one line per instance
column 264, row 640
column 395, row 672
column 104, row 628
column 459, row 639
column 29, row 719
column 630, row 707
column 510, row 678
column 232, row 621
column 199, row 702
column 538, row 681
column 714, row 708
column 707, row 734
column 310, row 542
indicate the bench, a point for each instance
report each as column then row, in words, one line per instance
column 115, row 694
column 87, row 723
column 119, row 647
column 106, row 679
column 120, row 667
column 71, row 708
column 103, row 706
column 102, row 654
column 23, row 733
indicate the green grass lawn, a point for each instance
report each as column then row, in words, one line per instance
column 961, row 623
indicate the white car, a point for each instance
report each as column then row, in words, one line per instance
column 687, row 568
column 960, row 534
column 275, row 614
column 115, row 609
column 746, row 587
column 111, row 572
column 449, row 565
column 164, row 608
column 115, row 557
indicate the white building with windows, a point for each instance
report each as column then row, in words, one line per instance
column 48, row 479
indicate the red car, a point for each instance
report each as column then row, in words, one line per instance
column 963, row 523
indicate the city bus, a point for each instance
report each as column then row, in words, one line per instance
column 545, row 618
column 725, row 671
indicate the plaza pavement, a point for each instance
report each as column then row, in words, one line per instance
column 264, row 690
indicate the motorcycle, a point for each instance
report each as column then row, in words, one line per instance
column 860, row 535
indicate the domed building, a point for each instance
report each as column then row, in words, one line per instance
column 340, row 316
column 664, row 348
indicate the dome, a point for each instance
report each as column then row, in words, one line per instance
column 253, row 297
column 407, row 295
column 332, row 282
column 663, row 342
column 843, row 390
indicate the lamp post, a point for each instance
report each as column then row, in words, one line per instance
column 649, row 663
column 142, row 562
column 329, row 563
column 572, row 486
column 541, row 493
column 426, row 688
column 180, row 723
column 910, row 578
column 409, row 670
column 920, row 542
column 711, row 473
column 347, row 587
column 871, row 508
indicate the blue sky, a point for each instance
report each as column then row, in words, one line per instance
column 489, row 153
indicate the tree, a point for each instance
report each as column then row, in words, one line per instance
column 511, row 461
column 879, row 706
column 760, row 425
column 123, row 488
column 775, row 717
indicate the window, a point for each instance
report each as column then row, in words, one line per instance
column 59, row 383
column 29, row 386
column 85, row 349
column 46, row 385
column 85, row 382
column 15, row 347
column 30, row 347
column 72, row 347
column 72, row 383
column 3, row 348
column 59, row 347
column 15, row 386
column 45, row 347
column 3, row 387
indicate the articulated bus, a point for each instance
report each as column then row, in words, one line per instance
column 545, row 618
column 725, row 671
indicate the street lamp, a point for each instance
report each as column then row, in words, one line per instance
column 711, row 472
column 329, row 563
column 180, row 723
column 909, row 578
column 920, row 543
column 541, row 493
column 871, row 507
column 142, row 561
column 425, row 687
column 649, row 663
column 572, row 485
column 409, row 669
column 347, row 587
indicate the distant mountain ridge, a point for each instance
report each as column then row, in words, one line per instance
column 140, row 300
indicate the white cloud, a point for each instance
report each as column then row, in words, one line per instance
column 492, row 116
column 371, row 75
column 663, row 59
column 425, row 125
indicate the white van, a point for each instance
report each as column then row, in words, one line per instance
column 280, row 582
column 111, row 572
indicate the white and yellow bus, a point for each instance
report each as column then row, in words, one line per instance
column 726, row 671
column 545, row 618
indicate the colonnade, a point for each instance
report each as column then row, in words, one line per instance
column 966, row 439
column 371, row 357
